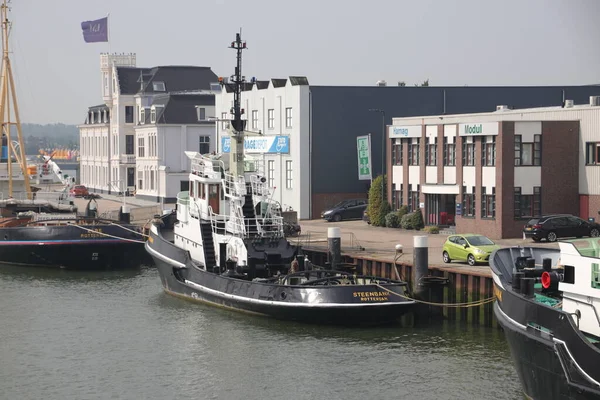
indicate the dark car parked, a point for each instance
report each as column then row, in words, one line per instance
column 552, row 227
column 347, row 209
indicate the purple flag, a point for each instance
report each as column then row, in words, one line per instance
column 95, row 31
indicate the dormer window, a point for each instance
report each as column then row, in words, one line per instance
column 153, row 115
column 142, row 116
column 201, row 113
column 158, row 86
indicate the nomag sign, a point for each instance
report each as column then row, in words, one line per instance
column 478, row 129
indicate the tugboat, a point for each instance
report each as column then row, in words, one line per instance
column 548, row 304
column 228, row 247
column 71, row 241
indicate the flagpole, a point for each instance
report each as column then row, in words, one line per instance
column 108, row 31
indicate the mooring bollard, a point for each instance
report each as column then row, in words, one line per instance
column 420, row 265
column 334, row 247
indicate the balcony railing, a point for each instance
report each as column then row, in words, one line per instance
column 127, row 159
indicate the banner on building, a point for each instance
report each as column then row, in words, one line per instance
column 363, row 145
column 260, row 144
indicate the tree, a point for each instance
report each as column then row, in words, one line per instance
column 377, row 208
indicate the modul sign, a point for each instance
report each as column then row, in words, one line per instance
column 478, row 129
column 260, row 144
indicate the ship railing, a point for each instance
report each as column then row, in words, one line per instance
column 259, row 186
column 234, row 186
column 207, row 167
column 237, row 225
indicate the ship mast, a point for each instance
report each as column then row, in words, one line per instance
column 7, row 95
column 238, row 125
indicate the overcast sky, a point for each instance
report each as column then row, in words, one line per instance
column 332, row 42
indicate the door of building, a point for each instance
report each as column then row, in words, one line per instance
column 584, row 206
column 130, row 177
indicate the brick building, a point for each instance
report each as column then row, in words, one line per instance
column 489, row 173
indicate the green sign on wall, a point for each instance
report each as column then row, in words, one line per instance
column 363, row 145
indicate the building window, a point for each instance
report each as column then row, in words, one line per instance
column 271, row 173
column 142, row 116
column 397, row 152
column 397, row 198
column 449, row 152
column 413, row 151
column 488, row 203
column 158, row 86
column 528, row 153
column 468, row 147
column 488, row 156
column 152, row 177
column 288, row 117
column 468, row 202
column 204, row 145
column 224, row 121
column 129, row 144
column 153, row 115
column 271, row 118
column 254, row 119
column 201, row 113
column 413, row 198
column 140, row 180
column 592, row 153
column 288, row 174
column 141, row 147
column 530, row 205
column 129, row 114
column 431, row 151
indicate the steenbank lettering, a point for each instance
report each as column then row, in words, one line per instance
column 478, row 129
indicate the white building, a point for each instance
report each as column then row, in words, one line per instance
column 173, row 124
column 279, row 112
column 109, row 162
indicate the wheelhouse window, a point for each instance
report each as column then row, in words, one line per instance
column 528, row 205
column 224, row 121
column 397, row 198
column 413, row 198
column 592, row 153
column 468, row 202
column 413, row 151
column 528, row 153
column 449, row 151
column 431, row 151
column 468, row 147
column 397, row 152
column 489, row 151
column 488, row 203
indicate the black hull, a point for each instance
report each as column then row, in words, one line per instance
column 553, row 359
column 337, row 305
column 71, row 247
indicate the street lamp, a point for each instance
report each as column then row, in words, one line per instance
column 383, row 192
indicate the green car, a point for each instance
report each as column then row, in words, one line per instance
column 468, row 247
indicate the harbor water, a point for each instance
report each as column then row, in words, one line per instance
column 117, row 335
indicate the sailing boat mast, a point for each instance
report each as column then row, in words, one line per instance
column 7, row 95
column 238, row 125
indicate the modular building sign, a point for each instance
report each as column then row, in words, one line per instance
column 260, row 144
column 363, row 146
column 413, row 131
column 478, row 129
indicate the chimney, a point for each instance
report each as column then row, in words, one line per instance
column 381, row 83
column 502, row 108
column 569, row 103
column 595, row 101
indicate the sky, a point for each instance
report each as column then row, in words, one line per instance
column 331, row 42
